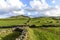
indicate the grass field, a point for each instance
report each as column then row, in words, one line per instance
column 42, row 21
column 34, row 33
column 44, row 33
column 9, row 22
column 33, row 21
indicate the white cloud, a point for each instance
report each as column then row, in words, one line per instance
column 10, row 6
column 29, row 13
column 3, row 4
column 55, row 12
column 16, row 3
column 36, row 4
column 53, row 1
column 43, row 8
column 11, row 3
column 17, row 7
column 19, row 12
column 57, row 6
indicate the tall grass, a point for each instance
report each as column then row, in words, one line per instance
column 43, row 34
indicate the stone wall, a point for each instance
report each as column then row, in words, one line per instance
column 23, row 35
column 19, row 28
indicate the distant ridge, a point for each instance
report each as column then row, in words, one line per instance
column 19, row 16
column 24, row 17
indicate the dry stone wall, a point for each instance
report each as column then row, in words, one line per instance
column 23, row 35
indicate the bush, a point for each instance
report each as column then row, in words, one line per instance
column 32, row 26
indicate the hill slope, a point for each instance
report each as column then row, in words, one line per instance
column 41, row 21
column 16, row 20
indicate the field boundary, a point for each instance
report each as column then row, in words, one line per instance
column 23, row 35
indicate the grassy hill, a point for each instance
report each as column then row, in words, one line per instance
column 42, row 28
column 44, row 22
column 15, row 20
column 41, row 21
column 19, row 16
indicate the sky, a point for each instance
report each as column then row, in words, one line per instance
column 31, row 8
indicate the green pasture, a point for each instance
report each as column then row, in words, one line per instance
column 44, row 33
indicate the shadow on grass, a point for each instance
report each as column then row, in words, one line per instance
column 47, row 25
column 11, row 36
